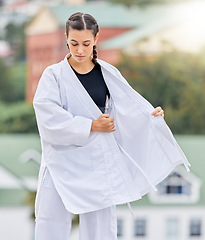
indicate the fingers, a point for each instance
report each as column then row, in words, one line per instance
column 112, row 128
column 106, row 123
column 158, row 112
column 105, row 115
column 112, row 125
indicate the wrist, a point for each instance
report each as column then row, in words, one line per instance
column 94, row 126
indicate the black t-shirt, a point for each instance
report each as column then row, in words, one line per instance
column 94, row 83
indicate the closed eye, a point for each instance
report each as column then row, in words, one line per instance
column 86, row 45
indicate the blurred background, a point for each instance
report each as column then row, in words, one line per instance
column 159, row 47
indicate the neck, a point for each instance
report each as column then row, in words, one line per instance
column 83, row 67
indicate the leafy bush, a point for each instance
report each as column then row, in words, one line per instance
column 17, row 118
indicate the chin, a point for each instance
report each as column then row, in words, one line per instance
column 81, row 60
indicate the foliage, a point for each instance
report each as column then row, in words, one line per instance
column 17, row 118
column 175, row 81
column 6, row 88
column 15, row 36
column 30, row 200
column 12, row 82
column 17, row 75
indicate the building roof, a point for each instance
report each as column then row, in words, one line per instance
column 152, row 19
column 12, row 148
column 171, row 22
column 20, row 174
column 106, row 14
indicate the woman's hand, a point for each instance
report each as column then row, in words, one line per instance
column 103, row 124
column 158, row 112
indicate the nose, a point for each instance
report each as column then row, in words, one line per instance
column 80, row 49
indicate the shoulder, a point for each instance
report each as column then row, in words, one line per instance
column 53, row 68
column 113, row 70
column 106, row 64
column 48, row 82
column 52, row 71
column 109, row 67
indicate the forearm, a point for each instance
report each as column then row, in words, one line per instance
column 95, row 126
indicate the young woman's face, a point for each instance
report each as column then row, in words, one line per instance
column 81, row 44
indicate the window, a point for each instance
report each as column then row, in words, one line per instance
column 175, row 184
column 119, row 227
column 172, row 228
column 178, row 187
column 140, row 227
column 195, row 228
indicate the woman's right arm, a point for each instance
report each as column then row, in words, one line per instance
column 56, row 125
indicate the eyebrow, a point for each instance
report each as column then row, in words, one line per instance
column 77, row 41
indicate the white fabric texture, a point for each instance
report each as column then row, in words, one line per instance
column 53, row 221
column 95, row 170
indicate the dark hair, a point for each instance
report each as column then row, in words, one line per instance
column 82, row 21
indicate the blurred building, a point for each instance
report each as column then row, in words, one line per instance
column 132, row 30
column 176, row 211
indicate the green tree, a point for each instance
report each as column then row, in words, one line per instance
column 6, row 88
column 15, row 36
column 16, row 116
column 17, row 77
column 175, row 81
column 12, row 82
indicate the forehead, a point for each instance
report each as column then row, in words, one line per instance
column 80, row 35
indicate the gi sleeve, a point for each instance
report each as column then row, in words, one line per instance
column 56, row 125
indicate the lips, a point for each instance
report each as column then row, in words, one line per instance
column 78, row 56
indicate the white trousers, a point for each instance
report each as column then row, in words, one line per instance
column 53, row 221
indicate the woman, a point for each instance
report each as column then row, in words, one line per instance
column 102, row 143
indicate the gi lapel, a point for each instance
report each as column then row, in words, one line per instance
column 120, row 89
column 123, row 98
column 79, row 90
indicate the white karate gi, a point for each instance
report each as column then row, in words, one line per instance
column 95, row 170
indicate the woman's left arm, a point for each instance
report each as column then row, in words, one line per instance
column 158, row 112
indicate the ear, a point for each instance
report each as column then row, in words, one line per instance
column 66, row 36
column 96, row 38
